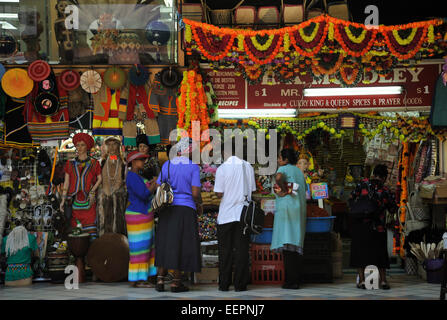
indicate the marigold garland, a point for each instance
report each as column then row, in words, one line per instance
column 192, row 103
column 215, row 43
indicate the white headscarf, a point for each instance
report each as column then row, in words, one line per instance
column 16, row 240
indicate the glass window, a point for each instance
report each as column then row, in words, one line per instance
column 88, row 31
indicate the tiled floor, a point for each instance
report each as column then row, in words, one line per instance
column 403, row 287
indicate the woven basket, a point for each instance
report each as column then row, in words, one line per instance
column 221, row 17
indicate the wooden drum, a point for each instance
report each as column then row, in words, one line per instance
column 57, row 262
column 78, row 246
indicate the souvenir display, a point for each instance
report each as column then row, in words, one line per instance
column 16, row 83
column 39, row 70
column 91, row 81
column 115, row 77
column 69, row 80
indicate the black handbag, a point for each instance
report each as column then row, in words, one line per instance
column 252, row 217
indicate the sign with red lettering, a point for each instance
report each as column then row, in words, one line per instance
column 418, row 85
column 229, row 89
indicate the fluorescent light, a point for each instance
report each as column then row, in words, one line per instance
column 248, row 113
column 7, row 25
column 359, row 91
column 15, row 1
column 9, row 15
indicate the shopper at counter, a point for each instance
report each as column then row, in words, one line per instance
column 290, row 218
column 19, row 246
column 369, row 237
column 177, row 239
column 235, row 179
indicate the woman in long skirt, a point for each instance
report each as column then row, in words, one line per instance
column 140, row 223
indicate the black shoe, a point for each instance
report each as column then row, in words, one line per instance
column 223, row 289
column 385, row 286
column 240, row 289
column 179, row 288
column 361, row 285
column 291, row 286
column 160, row 287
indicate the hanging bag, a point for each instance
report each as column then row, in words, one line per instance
column 252, row 216
column 411, row 223
column 164, row 196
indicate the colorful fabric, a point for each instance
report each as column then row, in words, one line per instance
column 289, row 225
column 140, row 231
column 83, row 177
column 109, row 124
column 16, row 272
column 91, row 229
column 16, row 127
column 382, row 195
column 24, row 255
column 139, row 195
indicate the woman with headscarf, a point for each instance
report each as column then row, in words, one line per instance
column 177, row 238
column 140, row 222
column 289, row 226
column 19, row 246
column 82, row 179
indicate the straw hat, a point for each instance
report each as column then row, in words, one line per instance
column 91, row 81
column 69, row 80
column 16, row 83
column 39, row 70
column 115, row 77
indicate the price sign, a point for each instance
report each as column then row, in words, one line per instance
column 319, row 190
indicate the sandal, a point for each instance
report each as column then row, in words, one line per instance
column 385, row 286
column 361, row 285
column 144, row 284
column 160, row 286
column 180, row 287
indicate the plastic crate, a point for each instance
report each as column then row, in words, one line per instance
column 261, row 254
column 318, row 244
column 272, row 273
column 264, row 237
column 317, row 270
column 319, row 224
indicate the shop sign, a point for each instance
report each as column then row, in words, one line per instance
column 418, row 82
column 268, row 205
column 319, row 190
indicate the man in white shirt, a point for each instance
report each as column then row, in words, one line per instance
column 235, row 179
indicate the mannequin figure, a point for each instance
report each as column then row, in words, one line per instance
column 82, row 179
column 112, row 196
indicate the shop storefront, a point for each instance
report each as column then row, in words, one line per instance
column 344, row 96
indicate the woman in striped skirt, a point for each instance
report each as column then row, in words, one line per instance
column 140, row 223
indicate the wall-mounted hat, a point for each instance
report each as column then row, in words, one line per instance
column 46, row 103
column 16, row 83
column 142, row 138
column 91, row 81
column 138, row 75
column 157, row 33
column 39, row 70
column 170, row 77
column 47, row 85
column 115, row 77
column 69, row 80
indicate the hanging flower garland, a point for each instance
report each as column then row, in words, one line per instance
column 311, row 37
column 192, row 103
column 349, row 75
column 327, row 64
column 355, row 46
column 252, row 73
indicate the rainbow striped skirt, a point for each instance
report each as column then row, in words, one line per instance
column 140, row 233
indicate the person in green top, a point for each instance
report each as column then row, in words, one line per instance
column 289, row 226
column 19, row 246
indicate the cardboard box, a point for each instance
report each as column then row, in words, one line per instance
column 208, row 275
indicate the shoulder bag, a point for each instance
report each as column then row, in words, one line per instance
column 252, row 217
column 164, row 195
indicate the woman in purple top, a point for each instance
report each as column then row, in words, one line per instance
column 177, row 238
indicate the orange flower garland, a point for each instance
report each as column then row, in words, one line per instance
column 216, row 43
column 192, row 103
column 404, row 192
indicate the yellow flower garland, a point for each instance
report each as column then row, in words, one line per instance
column 240, row 42
column 265, row 46
column 286, row 42
column 188, row 33
column 431, row 34
column 408, row 40
column 313, row 34
column 353, row 38
column 331, row 31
